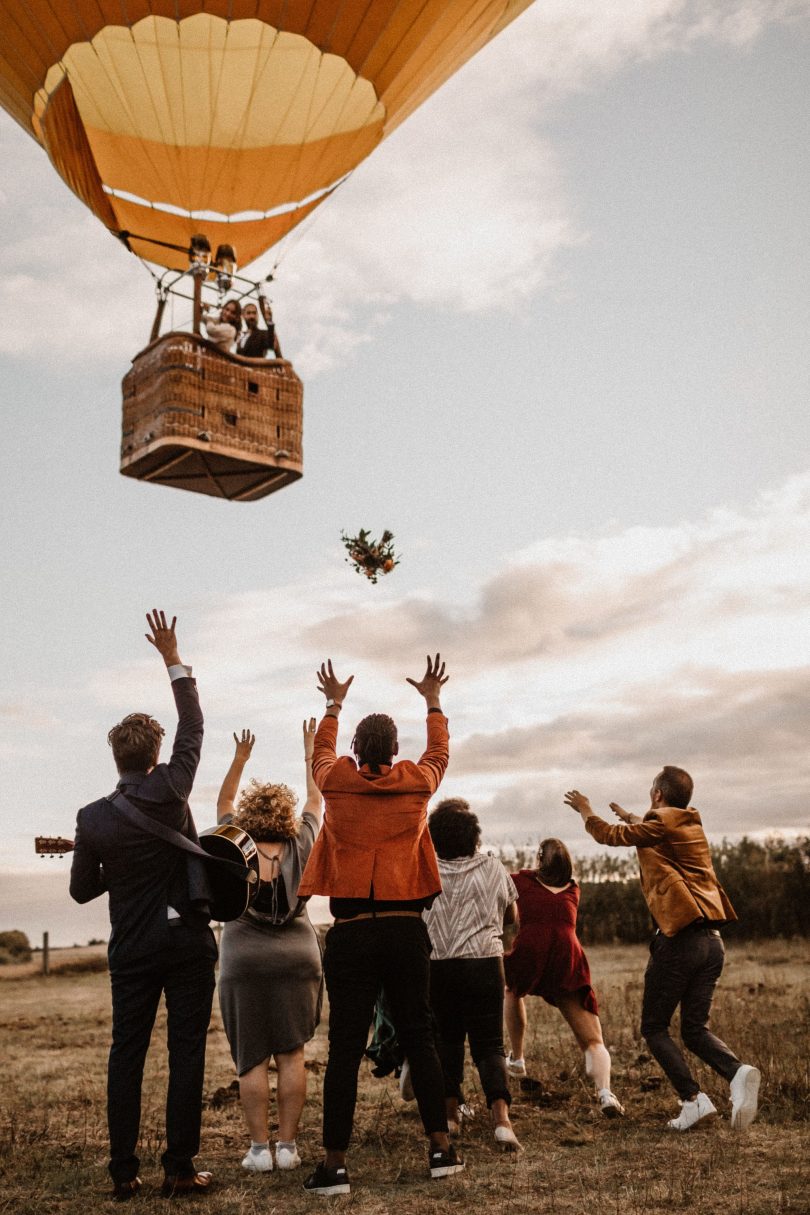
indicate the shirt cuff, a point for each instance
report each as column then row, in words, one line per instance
column 179, row 670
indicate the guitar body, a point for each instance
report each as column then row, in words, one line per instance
column 232, row 894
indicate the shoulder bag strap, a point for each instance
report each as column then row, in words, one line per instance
column 154, row 827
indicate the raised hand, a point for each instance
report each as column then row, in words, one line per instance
column 163, row 637
column 244, row 745
column 309, row 739
column 624, row 815
column 579, row 802
column 432, row 682
column 330, row 685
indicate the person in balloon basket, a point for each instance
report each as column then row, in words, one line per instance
column 256, row 343
column 688, row 905
column 160, row 941
column 375, row 860
column 224, row 327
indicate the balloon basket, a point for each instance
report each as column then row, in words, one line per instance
column 199, row 419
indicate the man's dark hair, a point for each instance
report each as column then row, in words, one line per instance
column 135, row 742
column 675, row 786
column 554, row 866
column 454, row 829
column 375, row 741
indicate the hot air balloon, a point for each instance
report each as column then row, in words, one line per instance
column 230, row 119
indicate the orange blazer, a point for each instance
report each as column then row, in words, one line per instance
column 375, row 824
column 677, row 875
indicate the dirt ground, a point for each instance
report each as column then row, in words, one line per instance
column 54, row 1034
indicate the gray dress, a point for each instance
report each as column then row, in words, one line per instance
column 270, row 977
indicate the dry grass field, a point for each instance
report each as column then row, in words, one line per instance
column 54, row 1037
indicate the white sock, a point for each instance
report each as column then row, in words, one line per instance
column 256, row 1148
column 289, row 1146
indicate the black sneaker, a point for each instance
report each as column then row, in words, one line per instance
column 444, row 1164
column 328, row 1181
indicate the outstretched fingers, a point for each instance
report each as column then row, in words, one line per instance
column 437, row 670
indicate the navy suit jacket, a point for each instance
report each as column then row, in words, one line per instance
column 143, row 875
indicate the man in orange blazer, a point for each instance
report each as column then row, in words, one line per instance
column 688, row 905
column 374, row 858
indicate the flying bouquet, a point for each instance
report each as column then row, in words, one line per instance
column 370, row 557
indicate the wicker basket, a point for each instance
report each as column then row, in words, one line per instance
column 215, row 423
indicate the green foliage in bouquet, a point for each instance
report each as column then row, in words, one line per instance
column 368, row 556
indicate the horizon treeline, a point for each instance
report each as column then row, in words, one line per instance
column 768, row 882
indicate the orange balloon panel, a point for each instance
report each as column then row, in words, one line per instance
column 236, row 120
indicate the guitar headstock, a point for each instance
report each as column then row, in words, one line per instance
column 52, row 845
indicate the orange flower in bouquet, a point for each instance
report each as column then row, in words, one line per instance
column 369, row 556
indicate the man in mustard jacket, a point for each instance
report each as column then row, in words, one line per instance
column 688, row 905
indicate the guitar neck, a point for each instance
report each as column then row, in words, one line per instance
column 52, row 845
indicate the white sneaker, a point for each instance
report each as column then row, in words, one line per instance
column 506, row 1139
column 744, row 1094
column 515, row 1067
column 610, row 1104
column 693, row 1112
column 258, row 1162
column 287, row 1158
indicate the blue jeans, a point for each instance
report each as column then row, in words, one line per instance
column 683, row 970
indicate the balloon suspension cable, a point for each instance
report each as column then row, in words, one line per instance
column 296, row 234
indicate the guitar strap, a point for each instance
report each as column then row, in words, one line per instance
column 138, row 819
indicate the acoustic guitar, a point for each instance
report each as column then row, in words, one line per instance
column 231, row 893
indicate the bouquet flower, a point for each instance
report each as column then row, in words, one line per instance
column 368, row 556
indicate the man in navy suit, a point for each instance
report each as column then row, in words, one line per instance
column 160, row 941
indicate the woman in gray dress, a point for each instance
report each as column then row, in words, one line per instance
column 270, row 960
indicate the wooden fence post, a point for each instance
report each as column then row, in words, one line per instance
column 46, row 955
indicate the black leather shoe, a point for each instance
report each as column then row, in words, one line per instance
column 191, row 1186
column 124, row 1190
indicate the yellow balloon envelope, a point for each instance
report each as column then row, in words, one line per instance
column 233, row 117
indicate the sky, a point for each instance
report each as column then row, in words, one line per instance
column 554, row 336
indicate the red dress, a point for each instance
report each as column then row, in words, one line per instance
column 547, row 958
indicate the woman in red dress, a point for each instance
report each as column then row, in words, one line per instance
column 548, row 960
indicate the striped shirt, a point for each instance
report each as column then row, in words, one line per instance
column 466, row 920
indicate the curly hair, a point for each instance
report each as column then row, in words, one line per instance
column 454, row 829
column 375, row 741
column 135, row 742
column 267, row 812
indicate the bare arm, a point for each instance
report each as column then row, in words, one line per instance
column 267, row 313
column 313, row 804
column 230, row 785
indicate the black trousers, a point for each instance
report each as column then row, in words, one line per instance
column 184, row 972
column 360, row 956
column 467, row 999
column 683, row 970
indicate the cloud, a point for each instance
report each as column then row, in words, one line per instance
column 697, row 589
column 587, row 660
column 712, row 718
column 466, row 207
